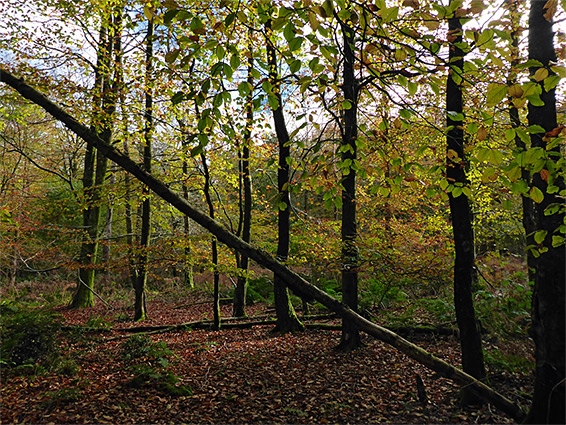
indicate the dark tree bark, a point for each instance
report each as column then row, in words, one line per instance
column 287, row 320
column 464, row 274
column 213, row 245
column 527, row 202
column 246, row 202
column 188, row 261
column 140, row 308
column 295, row 281
column 548, row 302
column 188, row 266
column 350, row 333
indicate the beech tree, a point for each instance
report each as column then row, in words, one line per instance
column 460, row 210
column 548, row 302
column 95, row 164
column 286, row 318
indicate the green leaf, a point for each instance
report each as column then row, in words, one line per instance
column 295, row 66
column 346, row 104
column 510, row 134
column 535, row 100
column 530, row 64
column 552, row 209
column 235, row 61
column 172, row 56
column 535, row 129
column 177, row 98
column 412, row 88
column 496, row 92
column 295, row 44
column 539, row 236
column 536, row 195
column 557, row 241
column 551, row 82
column 496, row 156
column 244, row 88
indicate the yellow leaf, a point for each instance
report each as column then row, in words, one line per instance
column 550, row 6
column 536, row 195
column 516, row 91
column 541, row 74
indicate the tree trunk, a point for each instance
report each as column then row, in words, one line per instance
column 140, row 309
column 95, row 166
column 213, row 245
column 246, row 184
column 527, row 202
column 293, row 280
column 188, row 265
column 350, row 333
column 464, row 274
column 548, row 302
column 287, row 320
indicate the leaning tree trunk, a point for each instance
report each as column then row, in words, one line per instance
column 470, row 337
column 548, row 302
column 350, row 333
column 295, row 282
column 287, row 320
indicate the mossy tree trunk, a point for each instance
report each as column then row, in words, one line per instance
column 94, row 172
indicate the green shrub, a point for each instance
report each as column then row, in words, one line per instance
column 141, row 348
column 29, row 337
column 381, row 294
column 508, row 362
column 505, row 310
column 260, row 289
column 147, row 360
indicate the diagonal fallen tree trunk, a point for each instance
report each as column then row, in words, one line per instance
column 293, row 280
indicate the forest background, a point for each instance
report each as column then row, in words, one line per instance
column 275, row 119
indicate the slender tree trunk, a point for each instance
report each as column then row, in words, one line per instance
column 350, row 333
column 287, row 320
column 95, row 166
column 548, row 302
column 140, row 309
column 527, row 202
column 107, row 232
column 464, row 274
column 188, row 271
column 188, row 265
column 213, row 246
column 246, row 183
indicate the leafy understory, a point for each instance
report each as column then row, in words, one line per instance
column 244, row 376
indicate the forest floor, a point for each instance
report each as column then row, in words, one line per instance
column 240, row 376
